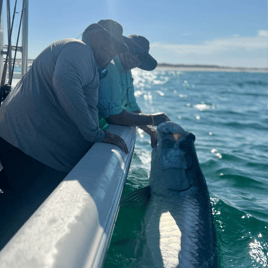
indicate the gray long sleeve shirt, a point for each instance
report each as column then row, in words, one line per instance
column 51, row 114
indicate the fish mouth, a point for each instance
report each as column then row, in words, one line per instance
column 170, row 134
column 170, row 139
column 173, row 144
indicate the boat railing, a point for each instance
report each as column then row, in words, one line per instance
column 73, row 227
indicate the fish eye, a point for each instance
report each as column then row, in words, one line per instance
column 191, row 136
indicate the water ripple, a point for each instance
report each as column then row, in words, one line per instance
column 227, row 112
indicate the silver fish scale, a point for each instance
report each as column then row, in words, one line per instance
column 179, row 231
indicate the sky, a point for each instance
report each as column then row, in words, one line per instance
column 226, row 33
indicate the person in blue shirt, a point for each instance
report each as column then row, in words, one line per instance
column 117, row 103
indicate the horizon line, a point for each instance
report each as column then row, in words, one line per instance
column 183, row 65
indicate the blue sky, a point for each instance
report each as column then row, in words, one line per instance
column 229, row 33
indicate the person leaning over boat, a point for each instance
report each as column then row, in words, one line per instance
column 50, row 119
column 117, row 103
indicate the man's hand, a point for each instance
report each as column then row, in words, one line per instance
column 153, row 135
column 116, row 140
column 159, row 118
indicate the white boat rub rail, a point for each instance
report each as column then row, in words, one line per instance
column 73, row 227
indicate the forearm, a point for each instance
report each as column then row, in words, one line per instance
column 148, row 129
column 126, row 118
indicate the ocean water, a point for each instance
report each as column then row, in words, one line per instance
column 227, row 112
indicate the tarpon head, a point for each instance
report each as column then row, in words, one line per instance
column 174, row 163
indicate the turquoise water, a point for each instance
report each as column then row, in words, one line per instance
column 227, row 112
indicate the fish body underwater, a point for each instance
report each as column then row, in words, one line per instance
column 178, row 229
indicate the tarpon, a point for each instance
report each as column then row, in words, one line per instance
column 178, row 229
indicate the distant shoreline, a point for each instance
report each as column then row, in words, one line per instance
column 192, row 67
column 209, row 68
